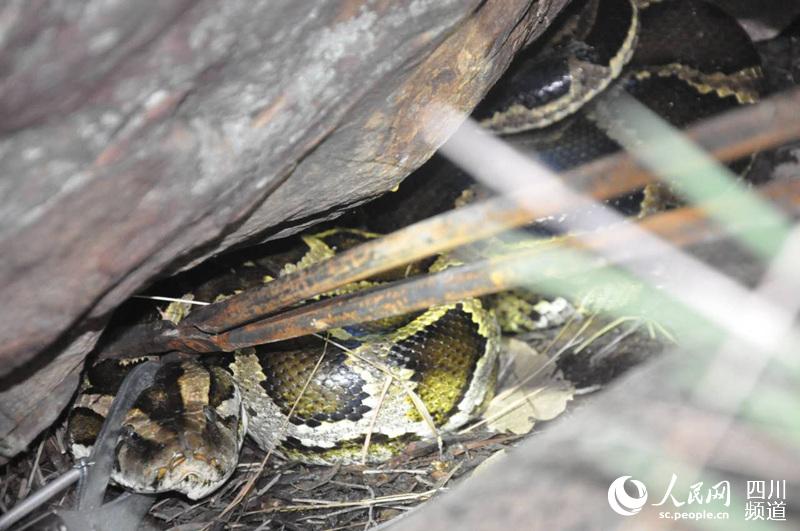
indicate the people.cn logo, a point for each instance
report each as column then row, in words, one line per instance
column 621, row 502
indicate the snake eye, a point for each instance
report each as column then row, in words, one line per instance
column 211, row 415
column 129, row 433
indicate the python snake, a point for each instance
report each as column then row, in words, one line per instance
column 319, row 399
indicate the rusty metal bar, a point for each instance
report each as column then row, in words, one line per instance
column 451, row 285
column 683, row 227
column 727, row 137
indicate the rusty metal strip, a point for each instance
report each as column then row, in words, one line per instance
column 683, row 227
column 727, row 137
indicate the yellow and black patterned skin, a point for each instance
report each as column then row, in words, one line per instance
column 390, row 381
column 446, row 356
column 313, row 399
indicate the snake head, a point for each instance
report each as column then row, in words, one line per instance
column 183, row 433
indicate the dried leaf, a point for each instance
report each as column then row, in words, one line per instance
column 530, row 390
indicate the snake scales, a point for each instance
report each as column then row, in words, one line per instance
column 318, row 400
